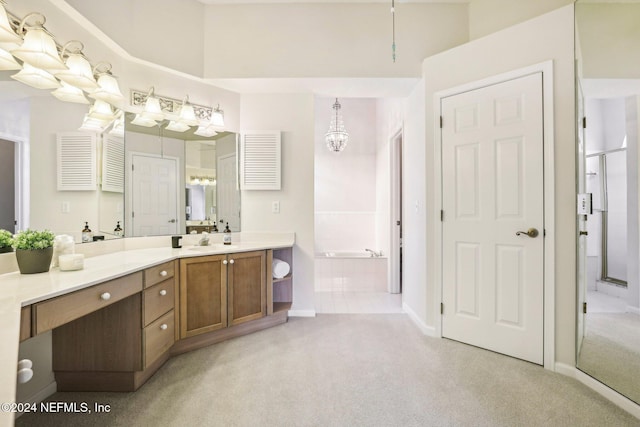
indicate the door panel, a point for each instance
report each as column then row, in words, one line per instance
column 492, row 163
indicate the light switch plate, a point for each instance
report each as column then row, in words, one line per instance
column 585, row 204
column 275, row 207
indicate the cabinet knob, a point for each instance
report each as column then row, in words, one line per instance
column 163, row 273
column 105, row 296
column 224, row 261
column 163, row 292
column 231, row 261
column 163, row 326
column 25, row 375
column 25, row 364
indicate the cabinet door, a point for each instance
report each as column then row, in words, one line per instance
column 203, row 295
column 247, row 286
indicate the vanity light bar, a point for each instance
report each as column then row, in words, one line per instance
column 170, row 105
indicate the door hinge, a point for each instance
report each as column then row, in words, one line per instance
column 133, row 214
column 441, row 308
column 440, row 122
column 584, row 123
column 132, row 167
column 584, row 307
column 441, row 215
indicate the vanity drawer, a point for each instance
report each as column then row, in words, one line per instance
column 159, row 273
column 158, row 338
column 158, row 300
column 63, row 309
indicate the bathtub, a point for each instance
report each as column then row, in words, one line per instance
column 350, row 271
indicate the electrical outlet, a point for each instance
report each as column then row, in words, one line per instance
column 275, row 207
column 65, row 207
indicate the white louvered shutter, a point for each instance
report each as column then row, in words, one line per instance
column 260, row 160
column 76, row 161
column 113, row 163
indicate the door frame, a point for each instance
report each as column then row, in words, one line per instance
column 546, row 68
column 395, row 209
column 22, row 179
column 128, row 203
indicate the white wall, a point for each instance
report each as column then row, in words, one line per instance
column 326, row 40
column 548, row 37
column 633, row 212
column 489, row 16
column 294, row 116
column 345, row 182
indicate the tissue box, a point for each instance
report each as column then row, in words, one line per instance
column 70, row 262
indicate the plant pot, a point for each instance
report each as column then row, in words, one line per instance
column 34, row 261
column 6, row 249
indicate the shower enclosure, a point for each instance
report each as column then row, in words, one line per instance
column 607, row 181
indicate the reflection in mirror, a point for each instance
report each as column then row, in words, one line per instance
column 608, row 335
column 173, row 184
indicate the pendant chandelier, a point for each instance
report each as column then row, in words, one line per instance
column 337, row 137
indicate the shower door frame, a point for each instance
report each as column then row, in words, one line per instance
column 604, row 217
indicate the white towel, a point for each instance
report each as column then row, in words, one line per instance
column 279, row 268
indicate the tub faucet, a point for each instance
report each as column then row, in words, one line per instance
column 374, row 253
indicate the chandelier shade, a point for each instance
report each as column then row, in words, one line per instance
column 70, row 93
column 108, row 89
column 79, row 73
column 7, row 62
column 217, row 117
column 177, row 126
column 187, row 113
column 337, row 137
column 7, row 35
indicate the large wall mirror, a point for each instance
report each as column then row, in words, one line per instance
column 608, row 95
column 192, row 178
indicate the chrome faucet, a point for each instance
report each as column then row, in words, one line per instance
column 204, row 240
column 374, row 253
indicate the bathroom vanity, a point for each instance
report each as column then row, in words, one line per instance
column 118, row 320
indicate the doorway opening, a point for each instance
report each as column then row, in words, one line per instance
column 395, row 255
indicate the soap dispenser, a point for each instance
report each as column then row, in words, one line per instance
column 226, row 237
column 118, row 230
column 87, row 234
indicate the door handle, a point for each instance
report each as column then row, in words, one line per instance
column 532, row 232
column 172, row 220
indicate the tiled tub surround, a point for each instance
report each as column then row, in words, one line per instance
column 104, row 261
column 350, row 271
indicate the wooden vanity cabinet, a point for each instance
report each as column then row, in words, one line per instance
column 203, row 294
column 218, row 291
column 117, row 347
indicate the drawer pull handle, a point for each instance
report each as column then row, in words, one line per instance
column 163, row 326
column 163, row 273
column 231, row 261
column 225, row 262
column 163, row 292
column 106, row 296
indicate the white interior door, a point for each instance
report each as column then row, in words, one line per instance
column 492, row 188
column 582, row 219
column 227, row 191
column 154, row 196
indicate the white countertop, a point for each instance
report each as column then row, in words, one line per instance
column 18, row 290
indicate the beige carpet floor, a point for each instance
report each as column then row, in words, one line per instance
column 346, row 370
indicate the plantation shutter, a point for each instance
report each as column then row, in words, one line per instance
column 260, row 160
column 76, row 161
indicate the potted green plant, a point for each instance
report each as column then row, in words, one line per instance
column 6, row 241
column 34, row 250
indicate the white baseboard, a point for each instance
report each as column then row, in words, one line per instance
column 426, row 329
column 595, row 385
column 41, row 395
column 302, row 313
column 634, row 310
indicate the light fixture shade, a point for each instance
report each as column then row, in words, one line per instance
column 79, row 73
column 7, row 35
column 152, row 109
column 187, row 114
column 35, row 77
column 70, row 93
column 217, row 117
column 118, row 127
column 94, row 125
column 177, row 126
column 143, row 121
column 205, row 131
column 337, row 137
column 7, row 62
column 39, row 49
column 108, row 90
column 100, row 110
